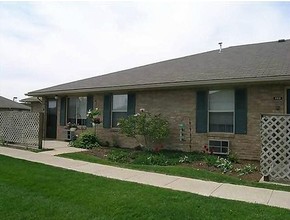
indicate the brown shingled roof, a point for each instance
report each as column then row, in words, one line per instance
column 246, row 63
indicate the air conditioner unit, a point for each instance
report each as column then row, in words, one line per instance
column 219, row 146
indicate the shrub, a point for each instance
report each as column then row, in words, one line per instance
column 2, row 141
column 247, row 169
column 210, row 160
column 157, row 159
column 184, row 159
column 153, row 129
column 119, row 156
column 224, row 164
column 151, row 159
column 86, row 140
column 233, row 157
column 142, row 157
column 115, row 141
column 148, row 157
column 104, row 143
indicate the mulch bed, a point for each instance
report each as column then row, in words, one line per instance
column 102, row 153
column 254, row 177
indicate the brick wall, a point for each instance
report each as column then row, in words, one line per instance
column 178, row 106
column 260, row 100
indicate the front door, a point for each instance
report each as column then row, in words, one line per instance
column 288, row 102
column 51, row 119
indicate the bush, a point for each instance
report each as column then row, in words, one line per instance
column 139, row 157
column 153, row 129
column 210, row 160
column 152, row 159
column 104, row 143
column 115, row 141
column 224, row 164
column 86, row 140
column 3, row 142
column 119, row 156
column 158, row 159
column 247, row 169
column 233, row 157
column 184, row 159
column 148, row 157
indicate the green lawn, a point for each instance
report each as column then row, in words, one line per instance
column 34, row 191
column 178, row 171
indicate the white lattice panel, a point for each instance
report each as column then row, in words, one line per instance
column 20, row 127
column 275, row 156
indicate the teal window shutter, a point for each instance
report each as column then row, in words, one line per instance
column 90, row 106
column 63, row 111
column 241, row 110
column 131, row 104
column 201, row 111
column 107, row 111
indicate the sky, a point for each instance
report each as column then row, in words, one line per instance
column 43, row 44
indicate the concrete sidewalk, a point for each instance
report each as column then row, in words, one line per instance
column 58, row 147
column 206, row 188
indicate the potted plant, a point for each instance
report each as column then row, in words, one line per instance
column 71, row 126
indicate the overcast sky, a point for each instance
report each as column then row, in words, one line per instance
column 50, row 43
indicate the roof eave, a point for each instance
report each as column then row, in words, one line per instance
column 163, row 85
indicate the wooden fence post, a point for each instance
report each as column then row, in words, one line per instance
column 40, row 130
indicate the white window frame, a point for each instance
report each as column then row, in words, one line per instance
column 76, row 107
column 220, row 152
column 220, row 111
column 117, row 111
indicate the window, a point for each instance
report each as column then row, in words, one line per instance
column 219, row 146
column 221, row 108
column 77, row 110
column 116, row 107
column 119, row 108
column 222, row 111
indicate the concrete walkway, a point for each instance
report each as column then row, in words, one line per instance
column 206, row 188
column 58, row 147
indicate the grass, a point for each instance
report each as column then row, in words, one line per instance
column 178, row 171
column 34, row 191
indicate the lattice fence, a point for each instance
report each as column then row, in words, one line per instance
column 275, row 157
column 22, row 128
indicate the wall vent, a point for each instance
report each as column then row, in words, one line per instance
column 219, row 146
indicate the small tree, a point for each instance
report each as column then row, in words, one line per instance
column 94, row 117
column 145, row 128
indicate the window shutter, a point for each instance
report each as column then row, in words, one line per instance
column 131, row 104
column 90, row 106
column 241, row 108
column 63, row 111
column 288, row 102
column 201, row 111
column 107, row 111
